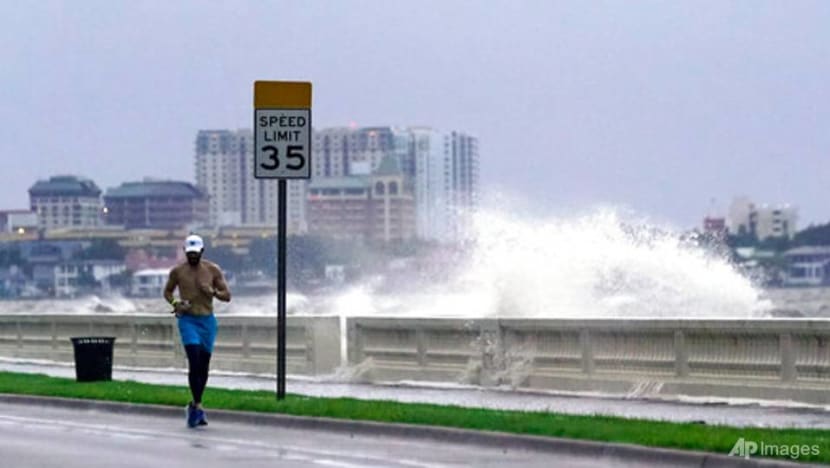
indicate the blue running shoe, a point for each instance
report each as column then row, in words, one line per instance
column 201, row 417
column 192, row 415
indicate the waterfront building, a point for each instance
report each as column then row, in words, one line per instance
column 808, row 266
column 764, row 221
column 155, row 204
column 66, row 201
column 18, row 221
column 374, row 208
column 446, row 183
column 442, row 168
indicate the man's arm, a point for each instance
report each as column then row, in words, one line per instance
column 172, row 282
column 220, row 287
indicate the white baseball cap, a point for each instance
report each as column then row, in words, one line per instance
column 193, row 243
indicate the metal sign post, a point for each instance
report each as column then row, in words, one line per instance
column 282, row 150
column 281, row 273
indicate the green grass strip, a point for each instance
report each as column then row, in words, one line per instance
column 710, row 438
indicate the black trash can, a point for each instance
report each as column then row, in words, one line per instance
column 93, row 358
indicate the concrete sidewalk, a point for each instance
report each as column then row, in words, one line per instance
column 741, row 413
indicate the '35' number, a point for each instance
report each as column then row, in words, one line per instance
column 293, row 154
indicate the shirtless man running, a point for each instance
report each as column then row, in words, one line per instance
column 198, row 281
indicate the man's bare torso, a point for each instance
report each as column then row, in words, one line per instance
column 195, row 283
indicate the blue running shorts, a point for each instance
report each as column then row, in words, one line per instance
column 198, row 330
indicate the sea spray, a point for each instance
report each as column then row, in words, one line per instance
column 597, row 265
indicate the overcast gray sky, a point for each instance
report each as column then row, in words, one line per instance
column 656, row 106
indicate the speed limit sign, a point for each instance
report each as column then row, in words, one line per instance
column 282, row 150
column 282, row 130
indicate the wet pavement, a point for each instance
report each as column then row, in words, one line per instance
column 36, row 436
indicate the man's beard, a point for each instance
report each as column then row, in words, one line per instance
column 193, row 261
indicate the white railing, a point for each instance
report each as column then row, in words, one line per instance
column 243, row 344
column 768, row 359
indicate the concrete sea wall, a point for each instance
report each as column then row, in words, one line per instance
column 778, row 359
column 244, row 344
column 759, row 359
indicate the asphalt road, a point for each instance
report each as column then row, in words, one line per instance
column 41, row 437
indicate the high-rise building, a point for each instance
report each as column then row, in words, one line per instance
column 774, row 221
column 739, row 212
column 156, row 204
column 764, row 221
column 442, row 169
column 340, row 151
column 446, row 183
column 220, row 161
column 65, row 202
column 224, row 169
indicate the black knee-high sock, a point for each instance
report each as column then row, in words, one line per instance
column 198, row 360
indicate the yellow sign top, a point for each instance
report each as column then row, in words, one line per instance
column 282, row 95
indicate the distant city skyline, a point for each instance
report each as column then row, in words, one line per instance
column 656, row 107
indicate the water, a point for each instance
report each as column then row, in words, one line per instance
column 598, row 265
column 603, row 264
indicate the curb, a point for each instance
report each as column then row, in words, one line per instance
column 628, row 452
